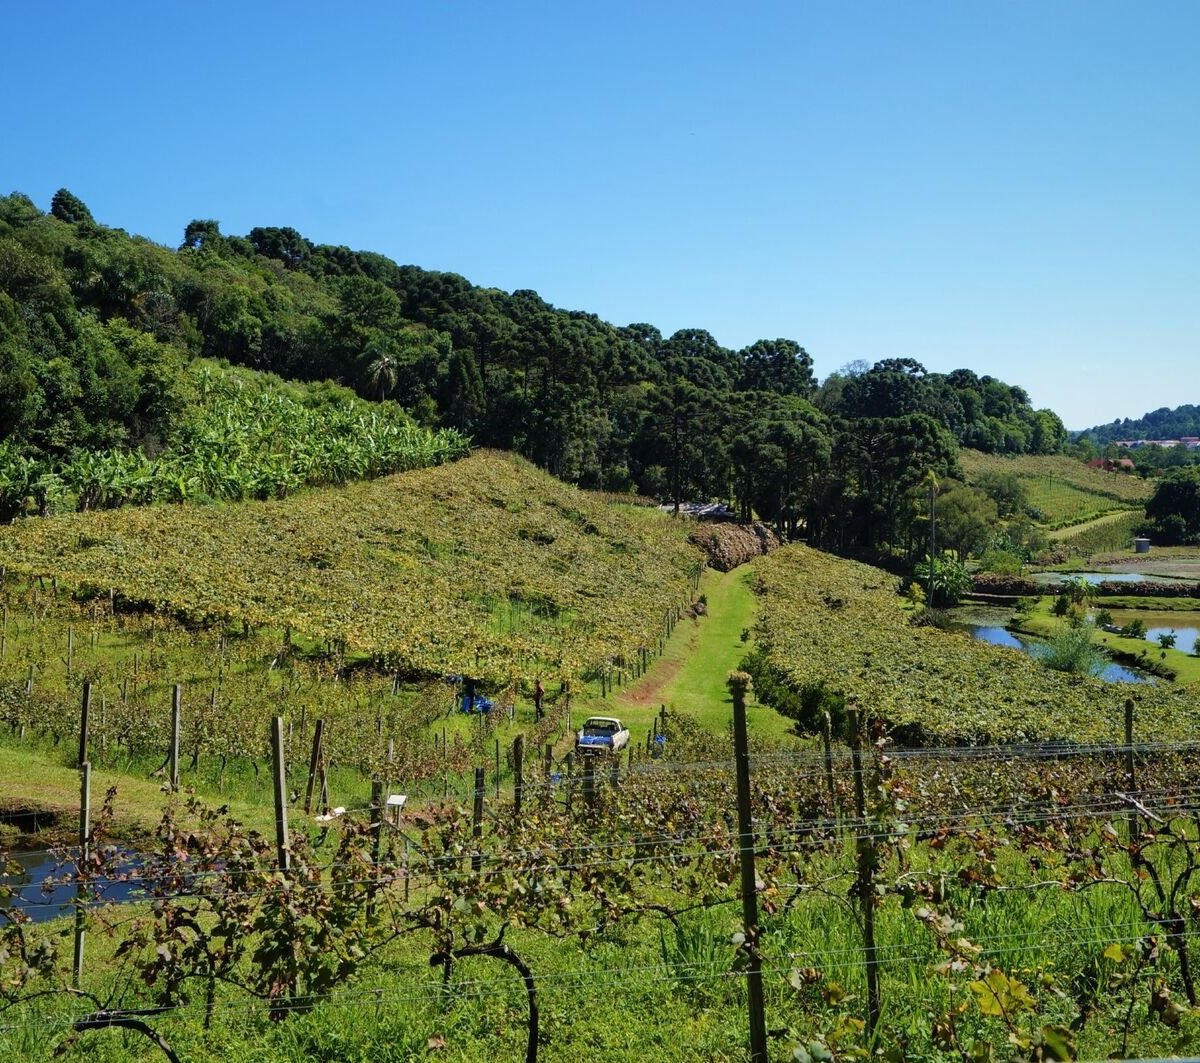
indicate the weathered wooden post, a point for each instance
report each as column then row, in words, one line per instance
column 589, row 782
column 85, row 831
column 176, row 726
column 1130, row 773
column 518, row 774
column 279, row 768
column 827, row 739
column 477, row 818
column 738, row 683
column 865, row 886
column 313, row 763
column 84, row 712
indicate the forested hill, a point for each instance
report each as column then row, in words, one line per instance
column 1161, row 424
column 97, row 325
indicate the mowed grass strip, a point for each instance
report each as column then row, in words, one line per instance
column 691, row 675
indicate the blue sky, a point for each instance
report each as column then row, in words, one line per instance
column 1008, row 187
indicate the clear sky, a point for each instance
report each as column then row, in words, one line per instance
column 1009, row 187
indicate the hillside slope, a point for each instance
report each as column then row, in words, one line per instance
column 1061, row 490
column 479, row 567
column 826, row 622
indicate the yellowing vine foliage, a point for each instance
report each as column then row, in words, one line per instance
column 828, row 621
column 485, row 567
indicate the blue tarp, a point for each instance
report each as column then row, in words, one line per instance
column 478, row 703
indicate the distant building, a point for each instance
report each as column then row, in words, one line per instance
column 1191, row 442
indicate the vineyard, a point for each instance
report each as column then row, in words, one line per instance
column 1111, row 533
column 903, row 888
column 1061, row 491
column 486, row 567
column 1021, row 902
column 839, row 626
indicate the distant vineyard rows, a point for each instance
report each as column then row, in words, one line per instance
column 1060, row 490
column 839, row 623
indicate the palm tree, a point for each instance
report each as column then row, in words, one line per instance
column 381, row 369
column 931, row 483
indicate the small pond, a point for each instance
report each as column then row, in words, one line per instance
column 1001, row 636
column 37, row 866
column 1185, row 624
column 1185, row 637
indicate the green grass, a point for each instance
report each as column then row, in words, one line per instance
column 1184, row 668
column 690, row 675
column 41, row 778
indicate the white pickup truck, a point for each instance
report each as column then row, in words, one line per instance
column 601, row 734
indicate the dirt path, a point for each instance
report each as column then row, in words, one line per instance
column 648, row 690
column 691, row 675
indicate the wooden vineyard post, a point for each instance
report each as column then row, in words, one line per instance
column 176, row 725
column 406, row 870
column 518, row 774
column 589, row 783
column 85, row 830
column 738, row 684
column 865, row 886
column 279, row 770
column 549, row 760
column 84, row 712
column 313, row 764
column 827, row 739
column 1130, row 773
column 477, row 818
column 569, row 784
column 4, row 632
column 497, row 769
column 377, row 810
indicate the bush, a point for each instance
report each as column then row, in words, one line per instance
column 1071, row 650
column 951, row 580
column 1002, row 563
column 805, row 706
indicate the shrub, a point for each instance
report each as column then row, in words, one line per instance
column 1071, row 650
column 1002, row 563
column 951, row 580
column 806, row 706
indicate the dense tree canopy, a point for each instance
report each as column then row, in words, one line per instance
column 1174, row 508
column 96, row 326
column 1163, row 423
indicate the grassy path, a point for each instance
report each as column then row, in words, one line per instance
column 1111, row 517
column 690, row 676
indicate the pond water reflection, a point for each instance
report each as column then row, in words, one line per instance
column 41, row 890
column 1000, row 636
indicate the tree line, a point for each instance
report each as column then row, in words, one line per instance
column 97, row 326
